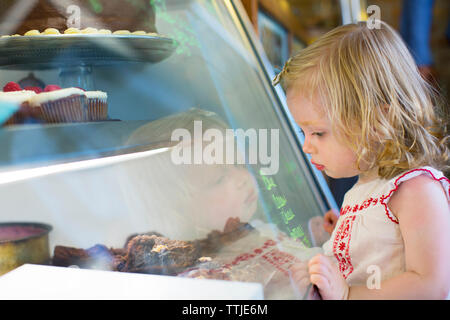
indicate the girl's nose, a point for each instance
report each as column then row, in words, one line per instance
column 307, row 147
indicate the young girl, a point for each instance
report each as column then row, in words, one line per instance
column 365, row 110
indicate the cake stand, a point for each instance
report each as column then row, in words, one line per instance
column 75, row 55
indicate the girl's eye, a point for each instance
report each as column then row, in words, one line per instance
column 319, row 134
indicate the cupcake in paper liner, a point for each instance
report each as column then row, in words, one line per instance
column 61, row 105
column 22, row 111
column 97, row 105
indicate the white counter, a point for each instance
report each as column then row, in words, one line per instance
column 32, row 282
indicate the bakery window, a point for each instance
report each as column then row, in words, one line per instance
column 153, row 144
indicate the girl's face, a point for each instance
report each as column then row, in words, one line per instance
column 224, row 191
column 328, row 154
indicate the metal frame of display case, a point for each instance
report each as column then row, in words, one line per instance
column 313, row 175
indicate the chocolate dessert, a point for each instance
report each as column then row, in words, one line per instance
column 96, row 257
column 144, row 254
column 152, row 253
column 19, row 17
column 159, row 255
column 150, row 233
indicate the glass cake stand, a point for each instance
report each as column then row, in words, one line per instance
column 75, row 55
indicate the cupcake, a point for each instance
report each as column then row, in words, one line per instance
column 16, row 107
column 60, row 105
column 97, row 105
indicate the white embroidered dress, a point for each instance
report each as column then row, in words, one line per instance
column 367, row 234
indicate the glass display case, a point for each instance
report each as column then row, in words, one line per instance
column 156, row 146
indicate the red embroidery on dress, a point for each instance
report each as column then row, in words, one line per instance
column 344, row 210
column 342, row 251
column 383, row 199
column 365, row 204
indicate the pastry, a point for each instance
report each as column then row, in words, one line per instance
column 51, row 31
column 97, row 105
column 72, row 31
column 155, row 254
column 159, row 255
column 60, row 105
column 122, row 32
column 32, row 33
column 96, row 257
column 19, row 99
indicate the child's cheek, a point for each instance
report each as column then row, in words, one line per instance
column 221, row 204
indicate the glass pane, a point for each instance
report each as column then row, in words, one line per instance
column 193, row 78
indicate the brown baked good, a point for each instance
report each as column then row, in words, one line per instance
column 114, row 15
column 152, row 253
column 96, row 257
column 150, row 233
column 97, row 105
column 20, row 99
column 60, row 105
column 159, row 255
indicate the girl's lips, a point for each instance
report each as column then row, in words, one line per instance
column 318, row 166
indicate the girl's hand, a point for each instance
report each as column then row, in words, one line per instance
column 327, row 277
column 300, row 278
column 329, row 220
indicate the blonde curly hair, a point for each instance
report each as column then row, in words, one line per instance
column 375, row 97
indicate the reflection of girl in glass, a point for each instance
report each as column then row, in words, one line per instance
column 187, row 201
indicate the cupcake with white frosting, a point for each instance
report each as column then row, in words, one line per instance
column 21, row 100
column 97, row 105
column 60, row 105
